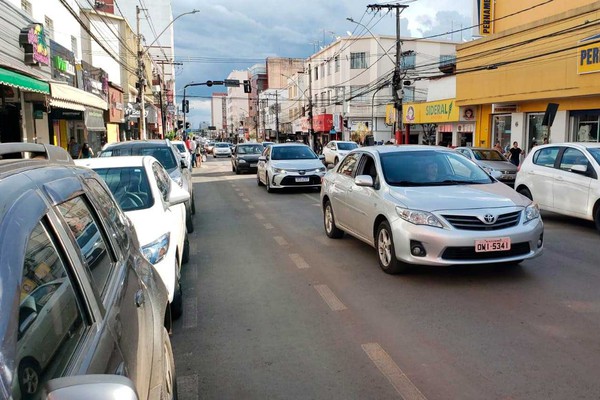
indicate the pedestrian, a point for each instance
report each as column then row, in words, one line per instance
column 86, row 151
column 74, row 148
column 545, row 140
column 515, row 154
column 319, row 147
column 498, row 146
column 192, row 148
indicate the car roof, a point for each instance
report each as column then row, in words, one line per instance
column 138, row 143
column 580, row 145
column 295, row 144
column 398, row 148
column 474, row 148
column 343, row 141
column 115, row 162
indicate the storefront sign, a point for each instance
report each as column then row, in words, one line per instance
column 33, row 41
column 486, row 17
column 63, row 63
column 589, row 55
column 92, row 80
column 323, row 122
column 503, row 108
column 115, row 107
column 69, row 115
column 431, row 112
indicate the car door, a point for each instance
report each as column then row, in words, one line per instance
column 540, row 174
column 571, row 189
column 328, row 152
column 363, row 201
column 340, row 188
column 263, row 165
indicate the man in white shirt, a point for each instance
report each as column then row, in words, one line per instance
column 192, row 149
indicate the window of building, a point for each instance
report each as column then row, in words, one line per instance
column 502, row 130
column 26, row 6
column 74, row 47
column 408, row 61
column 328, row 67
column 49, row 27
column 586, row 128
column 409, row 94
column 358, row 60
column 536, row 132
column 328, row 97
column 357, row 94
column 317, row 73
column 337, row 63
column 447, row 59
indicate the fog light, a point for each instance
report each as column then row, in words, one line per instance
column 540, row 241
column 417, row 249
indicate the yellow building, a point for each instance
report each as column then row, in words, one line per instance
column 535, row 54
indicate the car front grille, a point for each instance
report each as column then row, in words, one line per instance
column 469, row 253
column 472, row 223
column 291, row 181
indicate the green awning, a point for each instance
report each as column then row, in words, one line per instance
column 23, row 82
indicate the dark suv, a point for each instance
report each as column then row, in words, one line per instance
column 76, row 294
column 168, row 155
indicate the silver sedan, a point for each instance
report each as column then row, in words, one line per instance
column 430, row 206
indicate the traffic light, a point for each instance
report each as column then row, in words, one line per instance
column 185, row 106
column 247, row 87
column 345, row 123
column 187, row 125
column 179, row 124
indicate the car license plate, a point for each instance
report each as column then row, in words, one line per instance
column 253, row 165
column 500, row 244
column 305, row 179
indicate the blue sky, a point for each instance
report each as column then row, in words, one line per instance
column 236, row 34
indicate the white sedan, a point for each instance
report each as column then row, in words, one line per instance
column 336, row 150
column 221, row 149
column 155, row 205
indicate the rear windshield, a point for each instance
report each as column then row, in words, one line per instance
column 254, row 149
column 163, row 154
column 488, row 155
column 222, row 145
column 347, row 146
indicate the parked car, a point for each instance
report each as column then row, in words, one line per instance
column 289, row 165
column 430, row 206
column 336, row 150
column 267, row 144
column 245, row 157
column 170, row 159
column 491, row 160
column 183, row 152
column 563, row 178
column 221, row 149
column 78, row 303
column 154, row 203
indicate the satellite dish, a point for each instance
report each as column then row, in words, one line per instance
column 349, row 33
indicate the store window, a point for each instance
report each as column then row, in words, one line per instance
column 536, row 133
column 501, row 130
column 586, row 128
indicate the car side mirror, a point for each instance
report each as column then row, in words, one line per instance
column 262, row 158
column 90, row 387
column 364, row 180
column 579, row 169
column 177, row 194
column 321, row 157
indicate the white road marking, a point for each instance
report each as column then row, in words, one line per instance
column 246, row 200
column 324, row 240
column 250, row 206
column 280, row 240
column 259, row 216
column 268, row 226
column 299, row 261
column 311, row 197
column 190, row 312
column 330, row 298
column 241, row 194
column 237, row 189
column 405, row 388
column 187, row 387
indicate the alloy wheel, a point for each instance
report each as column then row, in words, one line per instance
column 384, row 247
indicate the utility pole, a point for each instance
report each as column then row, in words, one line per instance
column 141, row 78
column 397, row 79
column 311, row 132
column 277, row 115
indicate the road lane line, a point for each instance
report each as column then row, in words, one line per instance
column 246, row 200
column 237, row 189
column 259, row 216
column 190, row 312
column 250, row 206
column 311, row 197
column 241, row 194
column 268, row 226
column 280, row 240
column 299, row 261
column 330, row 298
column 187, row 387
column 392, row 372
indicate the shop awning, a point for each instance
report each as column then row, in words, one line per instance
column 67, row 105
column 23, row 82
column 73, row 95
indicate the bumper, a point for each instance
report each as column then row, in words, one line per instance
column 457, row 247
column 221, row 154
column 251, row 167
column 166, row 270
column 296, row 180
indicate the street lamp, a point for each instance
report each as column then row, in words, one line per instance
column 140, row 71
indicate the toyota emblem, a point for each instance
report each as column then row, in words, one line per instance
column 489, row 219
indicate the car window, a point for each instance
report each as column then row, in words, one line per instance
column 349, row 164
column 488, row 155
column 346, row 146
column 51, row 323
column 162, row 179
column 254, row 149
column 180, row 147
column 108, row 209
column 572, row 157
column 222, row 145
column 163, row 154
column 129, row 185
column 292, row 153
column 595, row 152
column 368, row 167
column 546, row 157
column 331, row 145
column 90, row 239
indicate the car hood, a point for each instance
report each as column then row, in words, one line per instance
column 297, row 164
column 498, row 165
column 458, row 197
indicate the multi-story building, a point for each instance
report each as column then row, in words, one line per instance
column 218, row 111
column 539, row 63
column 273, row 114
column 238, row 107
column 258, row 83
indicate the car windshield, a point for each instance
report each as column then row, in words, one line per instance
column 253, row 149
column 595, row 152
column 222, row 145
column 129, row 185
column 180, row 147
column 488, row 155
column 292, row 153
column 347, row 146
column 430, row 168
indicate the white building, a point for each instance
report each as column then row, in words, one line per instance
column 238, row 105
column 218, row 112
column 274, row 109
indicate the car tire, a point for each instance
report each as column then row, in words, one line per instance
column 29, row 378
column 597, row 218
column 386, row 252
column 268, row 185
column 185, row 256
column 237, row 171
column 189, row 224
column 525, row 192
column 258, row 181
column 169, row 389
column 193, row 207
column 177, row 304
column 232, row 168
column 331, row 230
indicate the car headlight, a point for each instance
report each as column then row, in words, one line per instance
column 241, row 161
column 321, row 169
column 488, row 170
column 532, row 212
column 157, row 250
column 419, row 217
column 279, row 170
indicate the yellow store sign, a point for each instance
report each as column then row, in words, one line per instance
column 486, row 17
column 588, row 55
column 433, row 112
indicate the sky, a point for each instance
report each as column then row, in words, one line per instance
column 236, row 34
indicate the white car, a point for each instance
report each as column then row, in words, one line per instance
column 221, row 149
column 289, row 165
column 336, row 150
column 155, row 205
column 183, row 152
column 563, row 178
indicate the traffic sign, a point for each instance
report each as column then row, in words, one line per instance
column 231, row 83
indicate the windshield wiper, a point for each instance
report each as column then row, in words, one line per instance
column 456, row 182
column 407, row 183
